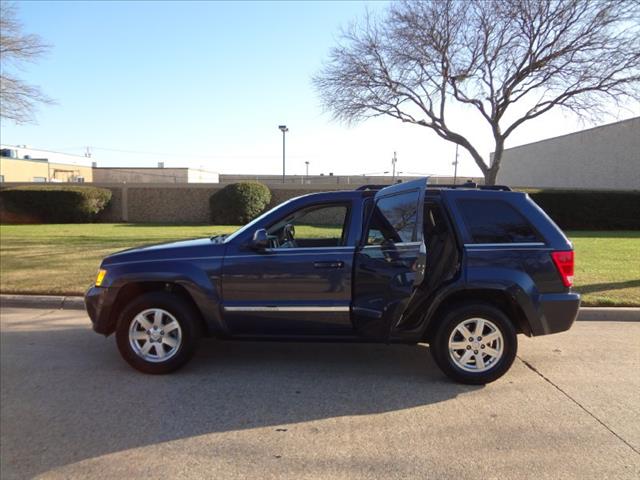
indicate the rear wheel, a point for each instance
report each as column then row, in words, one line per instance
column 157, row 332
column 475, row 344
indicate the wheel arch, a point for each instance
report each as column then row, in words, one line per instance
column 130, row 290
column 498, row 298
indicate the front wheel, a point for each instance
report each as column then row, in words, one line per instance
column 475, row 344
column 157, row 332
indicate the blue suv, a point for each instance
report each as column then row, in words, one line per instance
column 464, row 269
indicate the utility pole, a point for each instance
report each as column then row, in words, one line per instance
column 394, row 160
column 284, row 130
column 455, row 168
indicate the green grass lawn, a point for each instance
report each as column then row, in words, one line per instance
column 63, row 259
column 607, row 270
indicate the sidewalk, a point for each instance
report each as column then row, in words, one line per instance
column 602, row 314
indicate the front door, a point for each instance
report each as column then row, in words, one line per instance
column 299, row 286
column 390, row 261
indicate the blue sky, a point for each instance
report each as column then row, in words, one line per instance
column 205, row 84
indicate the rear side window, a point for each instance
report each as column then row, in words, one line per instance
column 394, row 219
column 494, row 221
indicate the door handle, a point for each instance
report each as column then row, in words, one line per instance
column 328, row 264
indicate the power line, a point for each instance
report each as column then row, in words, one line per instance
column 169, row 154
column 59, row 150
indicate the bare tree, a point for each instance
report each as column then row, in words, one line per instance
column 509, row 61
column 18, row 99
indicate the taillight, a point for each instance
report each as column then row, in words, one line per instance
column 564, row 264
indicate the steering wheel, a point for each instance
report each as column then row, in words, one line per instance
column 288, row 236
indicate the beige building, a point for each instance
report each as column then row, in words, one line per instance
column 41, row 170
column 605, row 157
column 20, row 163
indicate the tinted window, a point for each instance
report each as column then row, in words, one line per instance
column 493, row 221
column 394, row 219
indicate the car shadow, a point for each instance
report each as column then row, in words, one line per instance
column 602, row 287
column 155, row 224
column 67, row 396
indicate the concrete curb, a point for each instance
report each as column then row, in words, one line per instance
column 601, row 314
column 42, row 301
column 609, row 314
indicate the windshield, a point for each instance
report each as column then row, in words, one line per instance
column 253, row 222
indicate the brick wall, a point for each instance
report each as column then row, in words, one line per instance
column 182, row 203
column 178, row 203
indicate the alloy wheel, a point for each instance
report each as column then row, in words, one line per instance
column 155, row 335
column 476, row 345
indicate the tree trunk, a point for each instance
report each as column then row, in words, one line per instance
column 490, row 176
column 492, row 172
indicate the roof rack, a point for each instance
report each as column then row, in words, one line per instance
column 502, row 188
column 372, row 187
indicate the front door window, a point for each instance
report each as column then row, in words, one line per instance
column 317, row 226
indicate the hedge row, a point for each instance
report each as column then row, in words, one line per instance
column 590, row 209
column 53, row 203
column 238, row 203
column 570, row 209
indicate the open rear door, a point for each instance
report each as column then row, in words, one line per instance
column 390, row 261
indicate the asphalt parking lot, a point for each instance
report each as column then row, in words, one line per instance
column 71, row 408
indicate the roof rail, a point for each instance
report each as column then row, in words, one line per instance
column 371, row 187
column 502, row 188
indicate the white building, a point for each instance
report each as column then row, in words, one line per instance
column 604, row 157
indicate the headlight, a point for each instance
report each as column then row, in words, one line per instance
column 100, row 277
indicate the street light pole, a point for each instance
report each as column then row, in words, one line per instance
column 455, row 168
column 284, row 130
column 393, row 163
column 307, row 165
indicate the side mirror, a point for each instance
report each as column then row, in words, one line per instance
column 260, row 240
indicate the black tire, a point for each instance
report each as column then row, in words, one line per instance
column 440, row 344
column 183, row 313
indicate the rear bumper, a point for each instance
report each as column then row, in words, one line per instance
column 99, row 302
column 557, row 312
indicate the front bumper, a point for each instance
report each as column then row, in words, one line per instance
column 557, row 312
column 99, row 302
